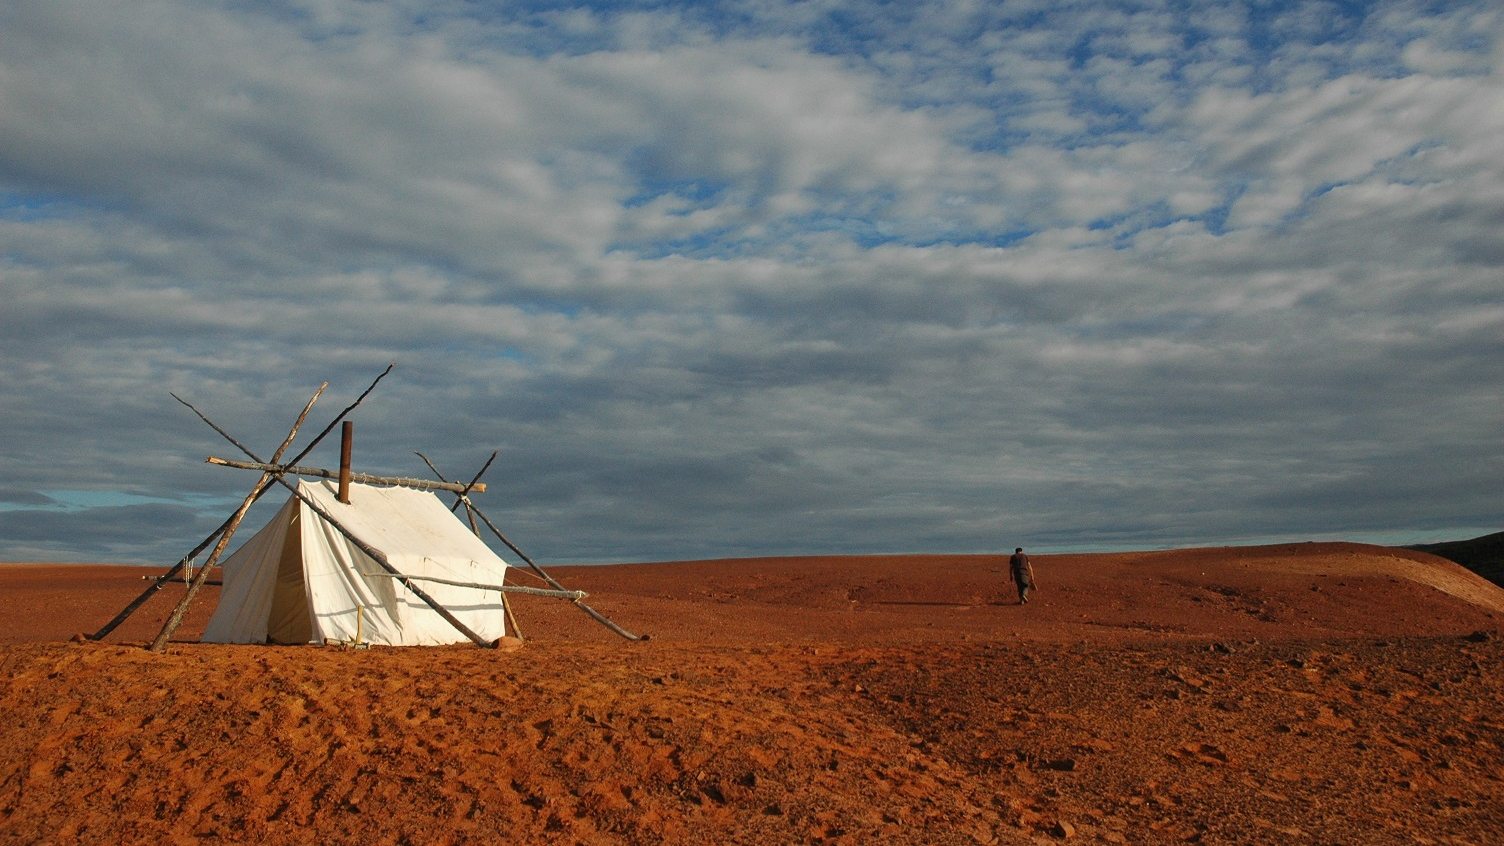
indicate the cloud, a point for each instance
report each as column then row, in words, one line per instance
column 49, row 535
column 24, row 498
column 764, row 279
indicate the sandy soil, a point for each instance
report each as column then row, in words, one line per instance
column 1313, row 693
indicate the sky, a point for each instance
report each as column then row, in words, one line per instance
column 764, row 277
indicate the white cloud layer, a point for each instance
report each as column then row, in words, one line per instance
column 762, row 278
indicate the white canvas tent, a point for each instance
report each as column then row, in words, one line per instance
column 388, row 565
column 300, row 580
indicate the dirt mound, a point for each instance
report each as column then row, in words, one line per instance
column 1483, row 555
column 1317, row 693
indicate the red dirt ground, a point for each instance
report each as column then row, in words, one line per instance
column 1311, row 693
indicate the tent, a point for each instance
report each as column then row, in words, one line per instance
column 345, row 564
column 301, row 580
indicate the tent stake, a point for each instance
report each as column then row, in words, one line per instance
column 214, row 535
column 176, row 618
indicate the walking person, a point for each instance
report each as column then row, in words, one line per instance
column 1023, row 574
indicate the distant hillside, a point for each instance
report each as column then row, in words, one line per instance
column 1484, row 556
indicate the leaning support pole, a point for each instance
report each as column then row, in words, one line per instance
column 214, row 535
column 506, row 610
column 176, row 618
column 161, row 580
column 530, row 591
column 474, row 512
column 594, row 614
column 375, row 555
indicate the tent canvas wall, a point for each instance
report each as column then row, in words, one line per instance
column 299, row 580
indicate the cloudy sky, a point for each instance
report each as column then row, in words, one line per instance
column 761, row 277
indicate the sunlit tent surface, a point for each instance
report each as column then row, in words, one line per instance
column 300, row 581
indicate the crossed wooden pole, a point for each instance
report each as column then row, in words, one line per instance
column 231, row 523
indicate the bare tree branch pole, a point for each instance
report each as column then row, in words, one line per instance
column 342, row 415
column 214, row 535
column 594, row 614
column 160, row 581
column 176, row 618
column 474, row 512
column 364, row 478
column 530, row 591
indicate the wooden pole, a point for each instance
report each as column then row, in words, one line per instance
column 319, row 472
column 346, row 447
column 342, row 415
column 176, row 618
column 594, row 614
column 506, row 609
column 475, row 511
column 504, row 589
column 157, row 585
column 214, row 535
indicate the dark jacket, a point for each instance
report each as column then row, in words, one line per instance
column 1020, row 565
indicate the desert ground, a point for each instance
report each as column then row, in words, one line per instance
column 1313, row 693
